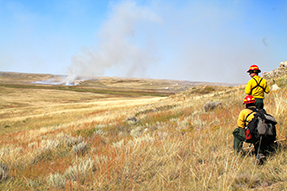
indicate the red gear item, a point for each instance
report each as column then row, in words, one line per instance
column 249, row 99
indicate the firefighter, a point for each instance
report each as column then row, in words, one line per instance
column 257, row 86
column 245, row 116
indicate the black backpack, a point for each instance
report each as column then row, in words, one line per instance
column 262, row 124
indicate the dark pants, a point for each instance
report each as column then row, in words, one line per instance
column 239, row 138
column 259, row 103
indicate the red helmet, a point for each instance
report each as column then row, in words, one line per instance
column 254, row 69
column 249, row 99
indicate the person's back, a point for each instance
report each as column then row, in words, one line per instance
column 245, row 116
column 257, row 86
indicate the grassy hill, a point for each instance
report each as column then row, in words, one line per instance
column 56, row 137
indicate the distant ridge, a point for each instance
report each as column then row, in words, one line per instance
column 146, row 83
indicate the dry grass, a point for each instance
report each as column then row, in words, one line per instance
column 65, row 140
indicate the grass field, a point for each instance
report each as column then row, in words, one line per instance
column 130, row 134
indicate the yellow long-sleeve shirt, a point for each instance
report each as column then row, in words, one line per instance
column 257, row 92
column 243, row 120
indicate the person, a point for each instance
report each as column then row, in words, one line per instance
column 257, row 86
column 245, row 116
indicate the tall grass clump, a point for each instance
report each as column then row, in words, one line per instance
column 3, row 172
column 80, row 169
column 45, row 151
column 80, row 148
column 56, row 180
column 78, row 172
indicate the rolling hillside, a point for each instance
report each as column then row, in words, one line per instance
column 131, row 134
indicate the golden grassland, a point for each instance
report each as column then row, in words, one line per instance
column 65, row 139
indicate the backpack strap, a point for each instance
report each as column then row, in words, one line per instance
column 253, row 110
column 258, row 85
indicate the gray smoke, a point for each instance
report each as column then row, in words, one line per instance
column 118, row 49
column 196, row 41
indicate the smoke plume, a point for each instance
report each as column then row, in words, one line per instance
column 190, row 40
column 119, row 48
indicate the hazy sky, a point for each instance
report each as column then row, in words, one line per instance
column 206, row 40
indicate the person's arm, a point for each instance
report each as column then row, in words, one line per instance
column 241, row 120
column 248, row 88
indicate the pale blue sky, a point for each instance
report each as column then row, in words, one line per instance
column 208, row 40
